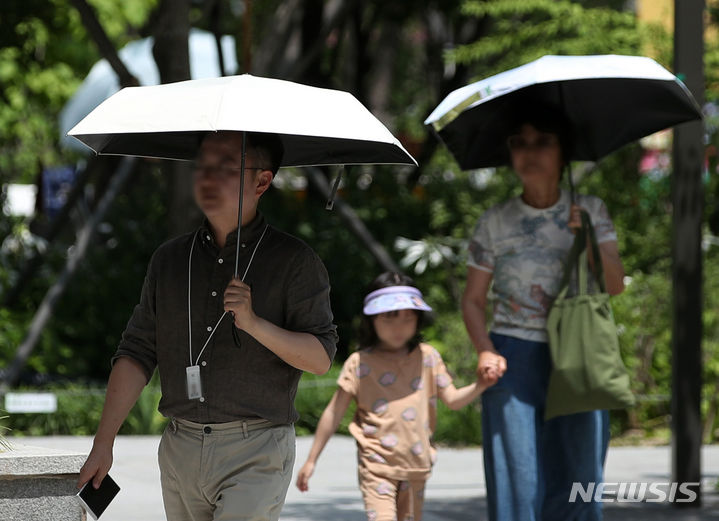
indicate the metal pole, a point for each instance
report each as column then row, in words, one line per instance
column 688, row 203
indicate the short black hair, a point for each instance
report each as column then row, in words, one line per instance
column 269, row 149
column 366, row 333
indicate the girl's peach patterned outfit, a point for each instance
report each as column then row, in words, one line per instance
column 396, row 415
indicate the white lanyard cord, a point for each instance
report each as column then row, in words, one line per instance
column 189, row 285
column 189, row 300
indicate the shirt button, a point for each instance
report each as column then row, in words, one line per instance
column 214, row 293
column 209, row 328
column 244, row 245
column 204, row 363
column 207, row 237
column 202, row 398
column 220, row 261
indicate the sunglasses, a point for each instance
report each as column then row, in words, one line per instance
column 542, row 141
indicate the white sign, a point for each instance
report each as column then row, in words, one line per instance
column 30, row 402
column 20, row 199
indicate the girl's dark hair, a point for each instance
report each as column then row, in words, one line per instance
column 367, row 334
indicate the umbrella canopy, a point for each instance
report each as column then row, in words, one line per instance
column 317, row 126
column 607, row 101
column 102, row 81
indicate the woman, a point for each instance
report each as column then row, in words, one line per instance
column 521, row 247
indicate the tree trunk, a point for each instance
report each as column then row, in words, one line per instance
column 688, row 206
column 172, row 55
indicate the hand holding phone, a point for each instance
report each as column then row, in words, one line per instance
column 95, row 501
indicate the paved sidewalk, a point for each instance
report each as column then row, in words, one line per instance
column 455, row 492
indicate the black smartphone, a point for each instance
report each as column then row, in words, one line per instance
column 95, row 501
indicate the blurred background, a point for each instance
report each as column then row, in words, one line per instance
column 77, row 230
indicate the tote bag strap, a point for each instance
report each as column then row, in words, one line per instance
column 577, row 259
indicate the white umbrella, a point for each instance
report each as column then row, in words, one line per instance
column 317, row 126
column 102, row 81
column 608, row 101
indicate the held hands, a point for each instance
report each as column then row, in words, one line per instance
column 490, row 367
column 238, row 301
column 304, row 475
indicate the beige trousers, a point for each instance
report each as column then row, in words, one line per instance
column 388, row 499
column 237, row 471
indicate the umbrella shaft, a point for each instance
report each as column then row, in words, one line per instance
column 242, row 197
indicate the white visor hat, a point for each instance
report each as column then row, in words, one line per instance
column 394, row 298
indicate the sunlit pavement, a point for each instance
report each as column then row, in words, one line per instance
column 455, row 492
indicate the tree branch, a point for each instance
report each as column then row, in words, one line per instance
column 104, row 45
column 354, row 222
column 77, row 253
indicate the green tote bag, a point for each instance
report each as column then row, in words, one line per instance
column 587, row 369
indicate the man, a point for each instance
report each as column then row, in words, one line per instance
column 229, row 374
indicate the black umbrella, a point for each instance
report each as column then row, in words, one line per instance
column 607, row 101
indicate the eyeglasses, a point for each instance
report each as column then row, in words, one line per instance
column 519, row 143
column 222, row 170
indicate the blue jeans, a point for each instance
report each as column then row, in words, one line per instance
column 530, row 464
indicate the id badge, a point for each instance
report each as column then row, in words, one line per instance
column 194, row 384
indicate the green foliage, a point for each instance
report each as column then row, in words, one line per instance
column 642, row 314
column 123, row 20
column 79, row 408
column 112, row 276
column 44, row 56
column 34, row 79
column 86, row 325
column 710, row 347
column 523, row 30
column 448, row 335
column 711, row 56
column 78, row 413
column 459, row 428
column 313, row 394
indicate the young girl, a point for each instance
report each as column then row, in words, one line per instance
column 395, row 380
